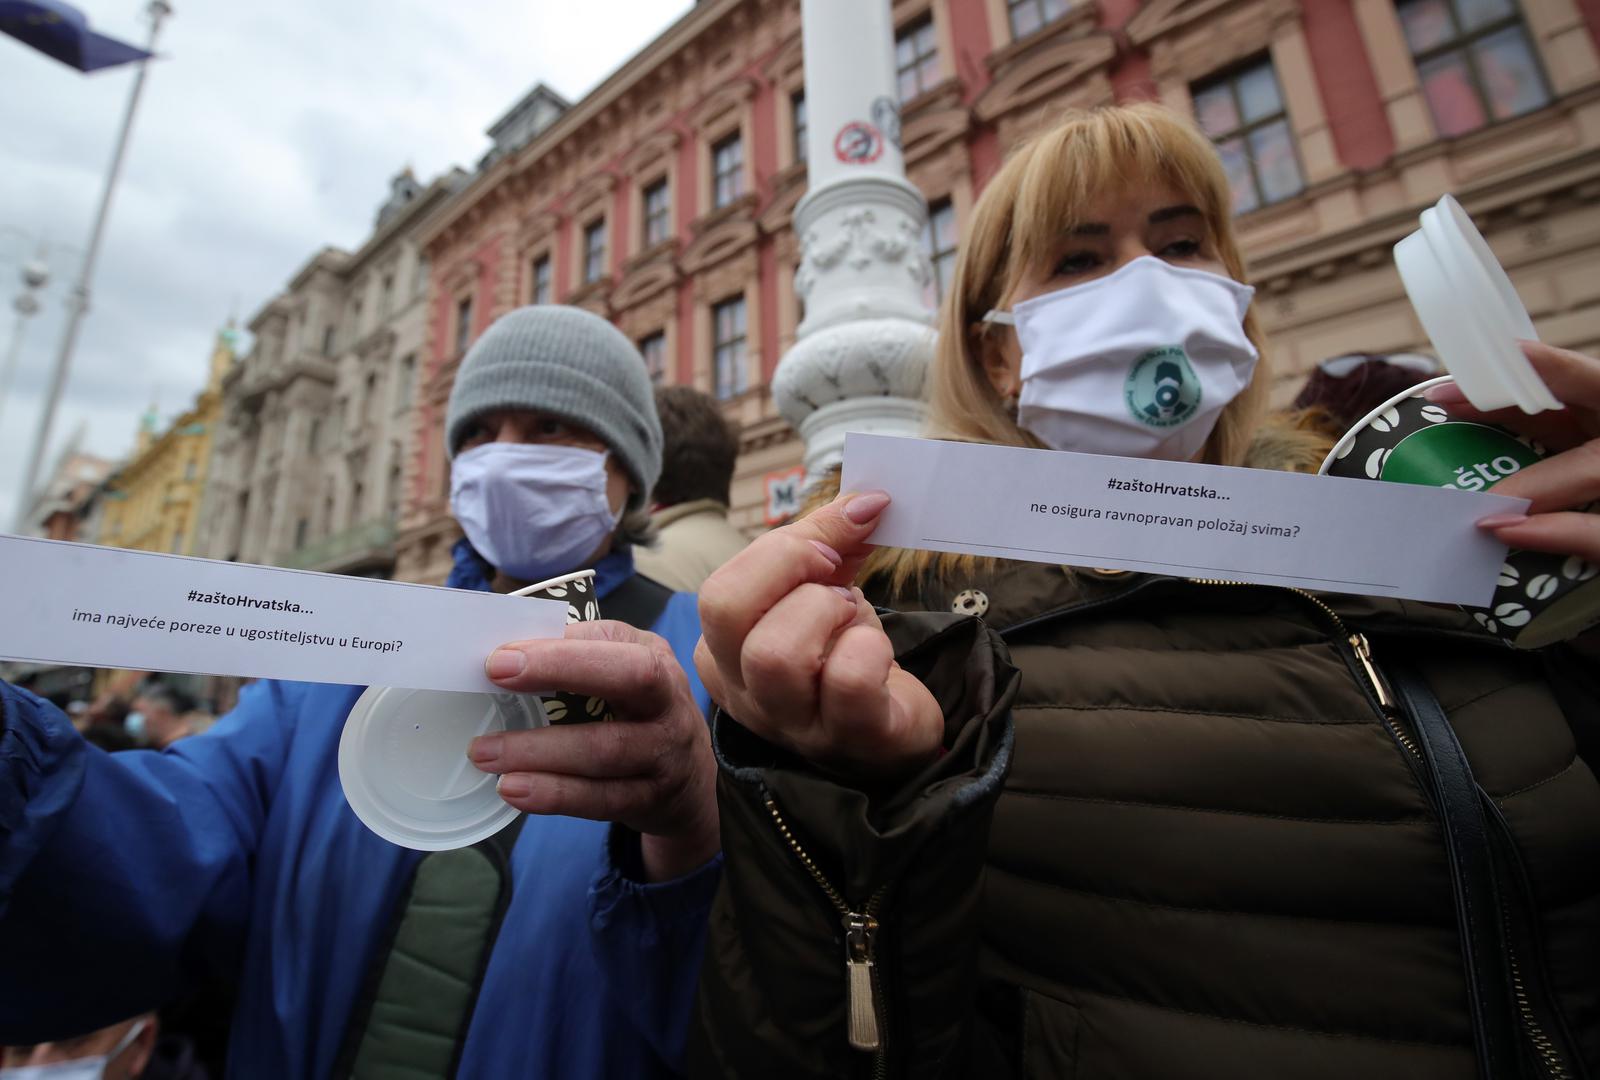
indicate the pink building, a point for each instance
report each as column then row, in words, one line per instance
column 663, row 199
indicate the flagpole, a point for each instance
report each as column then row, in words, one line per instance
column 78, row 302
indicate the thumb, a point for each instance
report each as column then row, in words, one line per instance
column 845, row 526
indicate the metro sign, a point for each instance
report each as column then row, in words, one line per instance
column 785, row 492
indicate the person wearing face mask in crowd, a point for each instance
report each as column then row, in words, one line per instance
column 160, row 715
column 117, row 1052
column 1128, row 825
column 134, row 1049
column 568, row 949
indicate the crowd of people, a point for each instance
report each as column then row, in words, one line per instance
column 868, row 811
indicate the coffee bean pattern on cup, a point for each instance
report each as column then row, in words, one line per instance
column 562, row 707
column 1539, row 598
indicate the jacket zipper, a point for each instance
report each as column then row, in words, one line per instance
column 1546, row 1050
column 1362, row 649
column 867, row 1015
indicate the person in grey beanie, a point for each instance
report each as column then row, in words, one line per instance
column 567, row 945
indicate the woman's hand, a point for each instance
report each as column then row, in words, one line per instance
column 1562, row 484
column 797, row 655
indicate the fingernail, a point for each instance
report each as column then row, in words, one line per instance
column 1495, row 521
column 484, row 749
column 863, row 508
column 848, row 594
column 504, row 663
column 513, row 786
column 828, row 553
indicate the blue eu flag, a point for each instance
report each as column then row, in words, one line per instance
column 62, row 31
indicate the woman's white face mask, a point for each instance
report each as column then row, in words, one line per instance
column 1138, row 363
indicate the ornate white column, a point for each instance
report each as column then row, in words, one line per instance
column 863, row 347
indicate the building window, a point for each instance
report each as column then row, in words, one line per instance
column 727, row 171
column 727, row 347
column 314, row 440
column 797, row 113
column 916, row 58
column 1475, row 61
column 329, row 340
column 541, row 280
column 386, row 296
column 300, row 529
column 654, row 351
column 372, row 396
column 463, row 325
column 939, row 242
column 594, row 250
column 1243, row 113
column 408, row 372
column 356, row 311
column 1028, row 16
column 657, row 213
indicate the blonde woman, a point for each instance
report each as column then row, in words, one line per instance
column 1126, row 825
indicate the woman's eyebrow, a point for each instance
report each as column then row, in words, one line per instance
column 1168, row 213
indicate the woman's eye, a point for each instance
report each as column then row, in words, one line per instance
column 550, row 428
column 1077, row 262
column 1181, row 249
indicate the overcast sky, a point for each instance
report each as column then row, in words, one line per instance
column 266, row 131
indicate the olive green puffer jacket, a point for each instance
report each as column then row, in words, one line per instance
column 1175, row 834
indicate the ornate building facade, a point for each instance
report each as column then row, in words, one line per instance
column 152, row 502
column 308, row 460
column 664, row 199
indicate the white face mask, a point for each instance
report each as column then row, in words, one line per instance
column 89, row 1068
column 532, row 510
column 1138, row 363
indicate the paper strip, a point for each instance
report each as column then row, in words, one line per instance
column 1196, row 521
column 91, row 606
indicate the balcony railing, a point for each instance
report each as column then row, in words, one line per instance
column 359, row 547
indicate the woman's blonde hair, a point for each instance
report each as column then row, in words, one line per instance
column 1043, row 191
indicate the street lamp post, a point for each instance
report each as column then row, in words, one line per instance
column 35, row 275
column 78, row 302
column 861, row 353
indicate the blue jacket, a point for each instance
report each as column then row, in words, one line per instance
column 233, row 853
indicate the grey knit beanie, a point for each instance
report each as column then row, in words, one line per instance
column 569, row 363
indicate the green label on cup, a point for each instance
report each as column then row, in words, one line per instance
column 1470, row 457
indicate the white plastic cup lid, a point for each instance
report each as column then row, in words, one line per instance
column 403, row 763
column 1470, row 310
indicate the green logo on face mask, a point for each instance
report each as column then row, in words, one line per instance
column 1162, row 390
column 1471, row 457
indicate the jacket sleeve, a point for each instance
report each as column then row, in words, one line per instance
column 648, row 940
column 124, row 875
column 774, row 998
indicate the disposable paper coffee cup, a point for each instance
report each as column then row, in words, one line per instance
column 403, row 753
column 577, row 590
column 1541, row 598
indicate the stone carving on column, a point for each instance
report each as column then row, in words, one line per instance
column 861, row 354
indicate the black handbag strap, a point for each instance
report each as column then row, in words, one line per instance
column 638, row 601
column 1479, row 917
